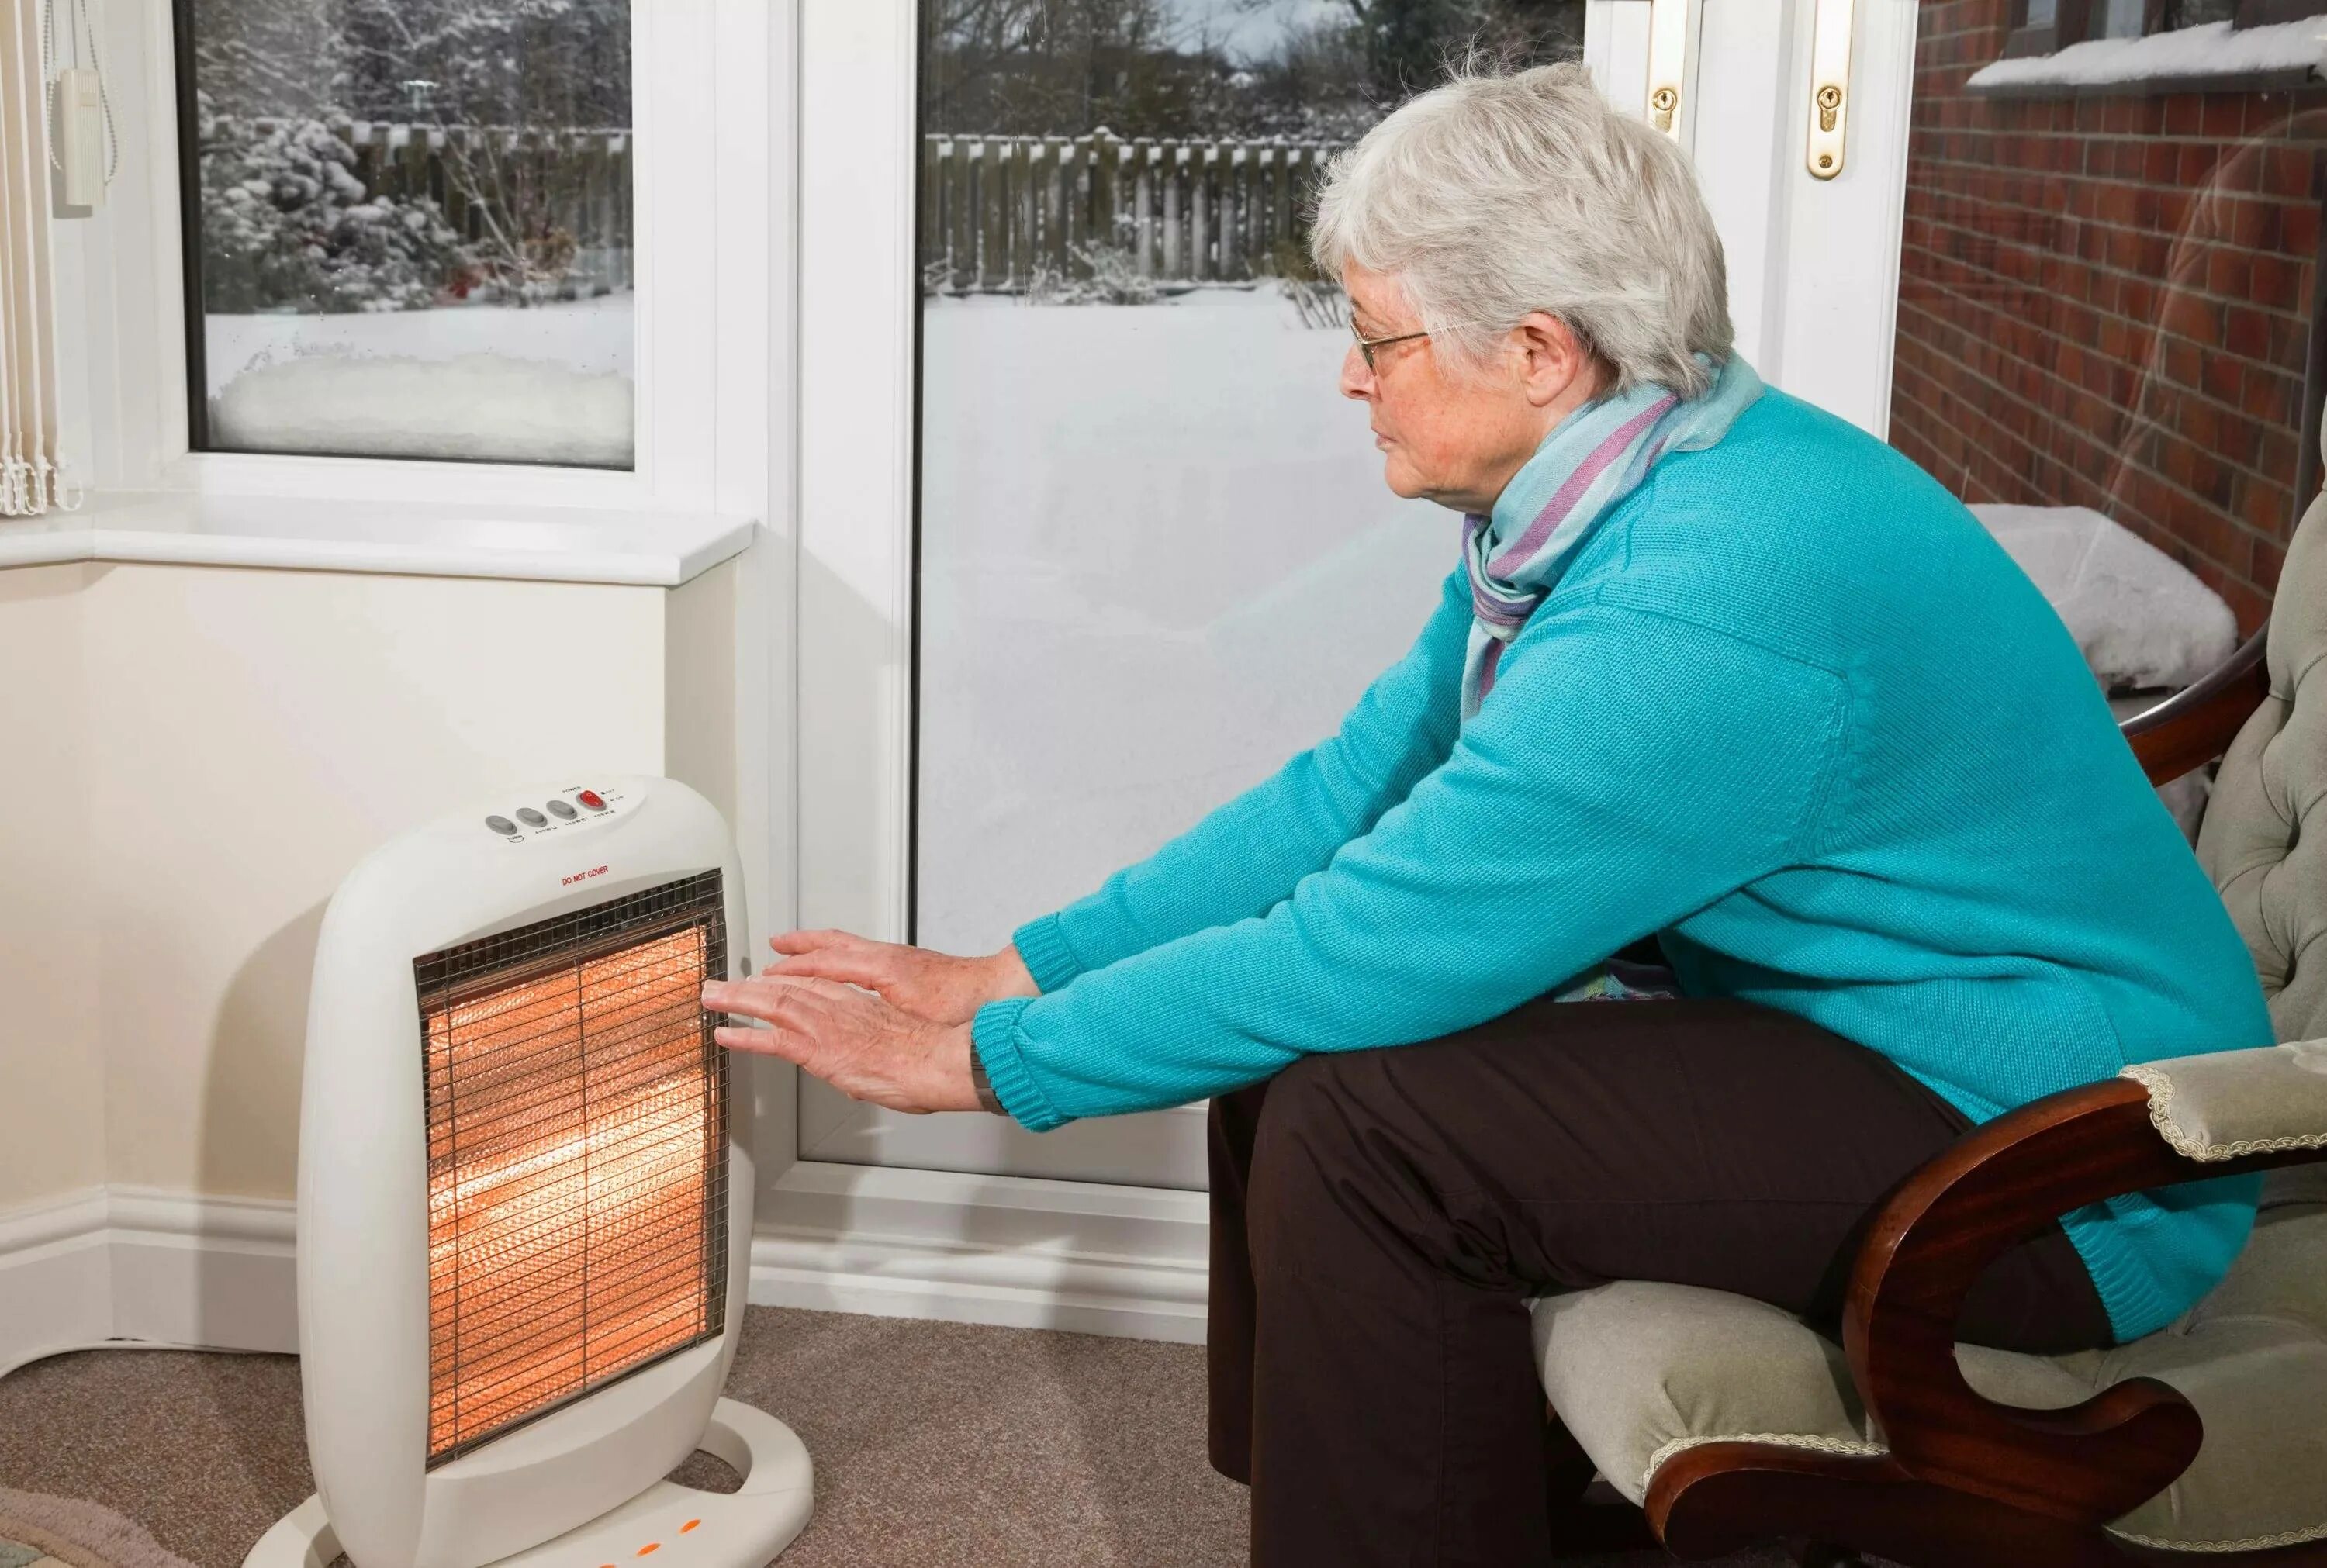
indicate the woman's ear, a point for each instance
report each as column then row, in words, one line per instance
column 1554, row 366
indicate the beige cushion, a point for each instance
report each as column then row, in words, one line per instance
column 2262, row 840
column 1640, row 1372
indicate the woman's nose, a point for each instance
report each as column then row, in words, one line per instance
column 1357, row 375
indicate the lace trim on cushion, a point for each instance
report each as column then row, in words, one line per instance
column 1857, row 1448
column 2161, row 1116
column 2251, row 1544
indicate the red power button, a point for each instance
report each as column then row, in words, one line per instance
column 592, row 799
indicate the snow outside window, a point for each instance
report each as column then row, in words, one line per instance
column 410, row 234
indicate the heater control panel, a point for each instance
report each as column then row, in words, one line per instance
column 575, row 808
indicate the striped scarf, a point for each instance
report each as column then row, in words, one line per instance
column 1591, row 461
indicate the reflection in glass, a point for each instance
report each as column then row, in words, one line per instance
column 412, row 232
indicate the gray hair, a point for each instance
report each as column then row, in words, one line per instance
column 1495, row 196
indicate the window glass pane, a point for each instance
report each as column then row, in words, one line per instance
column 411, row 236
column 2118, row 18
column 2180, row 14
column 2106, row 339
column 1158, row 557
column 2044, row 12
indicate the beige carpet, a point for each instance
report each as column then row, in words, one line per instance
column 936, row 1445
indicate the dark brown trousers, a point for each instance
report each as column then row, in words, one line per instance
column 1380, row 1217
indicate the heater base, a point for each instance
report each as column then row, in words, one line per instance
column 681, row 1528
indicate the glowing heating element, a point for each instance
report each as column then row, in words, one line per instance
column 576, row 1157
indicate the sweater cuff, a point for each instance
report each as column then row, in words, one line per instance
column 1042, row 947
column 995, row 1036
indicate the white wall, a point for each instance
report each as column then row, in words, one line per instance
column 52, row 1076
column 255, row 735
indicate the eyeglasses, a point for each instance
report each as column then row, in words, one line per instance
column 1367, row 346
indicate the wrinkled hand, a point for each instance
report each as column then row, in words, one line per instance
column 927, row 984
column 852, row 1040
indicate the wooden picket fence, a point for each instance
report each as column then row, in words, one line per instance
column 999, row 214
column 575, row 182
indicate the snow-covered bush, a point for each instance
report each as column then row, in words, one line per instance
column 1316, row 301
column 1114, row 279
column 286, row 225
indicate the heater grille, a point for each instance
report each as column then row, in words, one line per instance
column 578, row 1164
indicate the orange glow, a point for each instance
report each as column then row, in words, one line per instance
column 573, row 1128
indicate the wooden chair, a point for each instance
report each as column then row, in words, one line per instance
column 1732, row 1422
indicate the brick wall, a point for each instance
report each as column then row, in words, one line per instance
column 2105, row 301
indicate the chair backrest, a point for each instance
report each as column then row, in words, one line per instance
column 2263, row 840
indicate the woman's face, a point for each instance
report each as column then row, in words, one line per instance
column 1456, row 436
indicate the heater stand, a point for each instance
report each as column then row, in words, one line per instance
column 676, row 1525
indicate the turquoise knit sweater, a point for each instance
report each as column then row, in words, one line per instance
column 1791, row 710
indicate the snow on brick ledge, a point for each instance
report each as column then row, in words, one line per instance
column 2211, row 53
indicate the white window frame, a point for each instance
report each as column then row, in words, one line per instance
column 857, row 332
column 1022, row 1250
column 702, row 172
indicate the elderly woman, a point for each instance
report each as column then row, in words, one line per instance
column 1741, row 829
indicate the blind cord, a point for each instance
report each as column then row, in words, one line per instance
column 50, row 71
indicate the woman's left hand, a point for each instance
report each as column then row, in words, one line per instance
column 852, row 1040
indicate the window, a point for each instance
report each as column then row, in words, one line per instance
column 2040, row 27
column 409, row 228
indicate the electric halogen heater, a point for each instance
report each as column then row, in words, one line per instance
column 525, row 1200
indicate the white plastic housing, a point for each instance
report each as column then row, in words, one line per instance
column 80, row 138
column 363, row 1186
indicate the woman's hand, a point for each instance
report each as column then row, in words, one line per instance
column 852, row 1040
column 936, row 987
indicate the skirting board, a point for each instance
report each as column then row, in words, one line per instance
column 127, row 1263
column 1022, row 1252
column 134, row 1264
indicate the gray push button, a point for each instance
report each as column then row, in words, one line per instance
column 558, row 809
column 501, row 825
column 530, row 818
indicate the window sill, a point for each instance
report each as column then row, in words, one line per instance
column 2212, row 57
column 540, row 544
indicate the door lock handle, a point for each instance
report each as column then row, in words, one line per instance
column 1670, row 47
column 1829, row 122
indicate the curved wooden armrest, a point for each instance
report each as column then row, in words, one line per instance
column 2197, row 724
column 2000, row 1185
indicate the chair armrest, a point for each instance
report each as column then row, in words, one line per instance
column 2197, row 724
column 2218, row 1107
column 2000, row 1185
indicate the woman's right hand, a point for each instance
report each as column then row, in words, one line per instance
column 937, row 987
